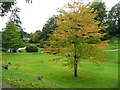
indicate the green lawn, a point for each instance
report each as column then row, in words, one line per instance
column 26, row 68
column 114, row 43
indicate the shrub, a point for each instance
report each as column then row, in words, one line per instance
column 41, row 44
column 19, row 51
column 3, row 50
column 115, row 42
column 31, row 48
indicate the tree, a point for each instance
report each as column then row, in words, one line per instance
column 48, row 28
column 11, row 38
column 16, row 19
column 5, row 7
column 77, row 36
column 114, row 20
column 38, row 32
column 100, row 8
column 35, row 38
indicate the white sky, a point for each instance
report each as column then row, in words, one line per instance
column 34, row 15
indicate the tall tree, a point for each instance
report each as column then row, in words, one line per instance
column 5, row 7
column 16, row 19
column 11, row 38
column 48, row 28
column 99, row 6
column 114, row 20
column 77, row 36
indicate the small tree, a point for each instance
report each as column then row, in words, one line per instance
column 11, row 37
column 77, row 36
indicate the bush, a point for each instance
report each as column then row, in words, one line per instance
column 31, row 48
column 115, row 42
column 19, row 51
column 3, row 50
column 41, row 44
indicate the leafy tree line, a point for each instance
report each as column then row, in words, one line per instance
column 110, row 18
column 114, row 20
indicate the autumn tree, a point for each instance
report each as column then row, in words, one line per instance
column 77, row 36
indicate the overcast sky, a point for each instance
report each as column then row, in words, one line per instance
column 34, row 15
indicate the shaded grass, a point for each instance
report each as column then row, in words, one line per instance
column 114, row 43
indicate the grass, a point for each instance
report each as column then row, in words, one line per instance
column 113, row 43
column 26, row 68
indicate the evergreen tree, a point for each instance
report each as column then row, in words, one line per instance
column 11, row 39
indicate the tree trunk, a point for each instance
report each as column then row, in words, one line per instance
column 75, row 63
column 75, row 69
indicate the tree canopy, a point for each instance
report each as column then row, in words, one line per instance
column 48, row 28
column 5, row 7
column 114, row 20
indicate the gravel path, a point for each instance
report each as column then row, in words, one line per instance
column 113, row 50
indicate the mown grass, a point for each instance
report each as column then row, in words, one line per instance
column 114, row 43
column 27, row 67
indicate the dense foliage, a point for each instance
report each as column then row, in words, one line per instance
column 31, row 48
column 114, row 20
column 48, row 28
column 11, row 38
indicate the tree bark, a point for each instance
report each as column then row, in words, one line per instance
column 75, row 64
column 75, row 69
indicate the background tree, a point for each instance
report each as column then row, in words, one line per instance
column 77, row 36
column 16, row 19
column 5, row 7
column 38, row 32
column 100, row 8
column 11, row 39
column 114, row 20
column 48, row 28
column 35, row 38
